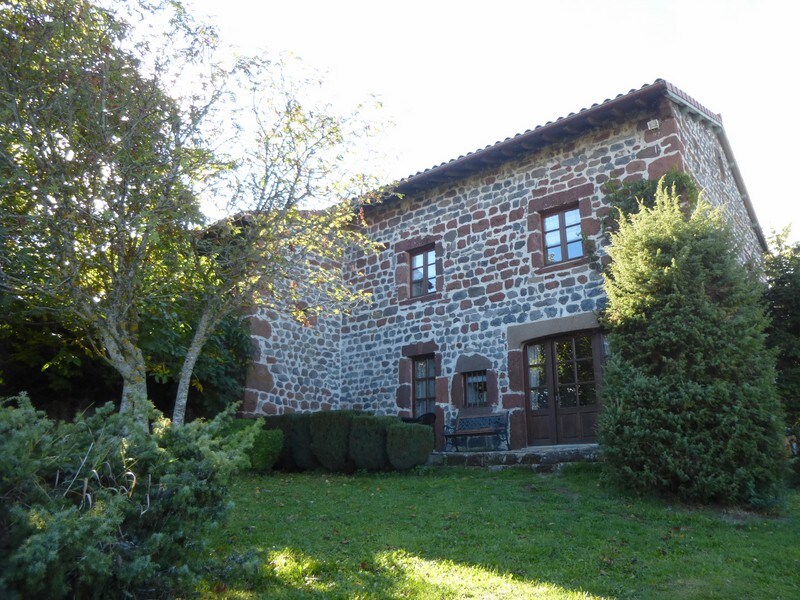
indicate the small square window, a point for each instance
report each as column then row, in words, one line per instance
column 563, row 239
column 475, row 389
column 423, row 272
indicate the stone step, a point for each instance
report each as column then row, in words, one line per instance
column 537, row 458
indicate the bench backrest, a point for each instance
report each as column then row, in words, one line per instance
column 481, row 422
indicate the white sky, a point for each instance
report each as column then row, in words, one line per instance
column 456, row 76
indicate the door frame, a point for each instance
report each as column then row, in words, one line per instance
column 551, row 415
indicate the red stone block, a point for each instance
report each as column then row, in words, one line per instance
column 515, row 365
column 499, row 297
column 260, row 327
column 511, row 401
column 662, row 165
column 482, row 225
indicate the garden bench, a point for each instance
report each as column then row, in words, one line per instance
column 471, row 422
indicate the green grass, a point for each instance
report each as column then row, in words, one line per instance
column 448, row 533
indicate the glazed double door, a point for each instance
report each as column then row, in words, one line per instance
column 562, row 377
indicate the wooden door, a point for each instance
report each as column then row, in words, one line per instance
column 562, row 375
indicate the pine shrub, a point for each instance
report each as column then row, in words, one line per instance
column 100, row 508
column 689, row 395
column 408, row 445
column 368, row 442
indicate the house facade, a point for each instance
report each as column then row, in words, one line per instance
column 487, row 290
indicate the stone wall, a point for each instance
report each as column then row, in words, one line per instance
column 487, row 233
column 493, row 290
column 706, row 160
column 295, row 365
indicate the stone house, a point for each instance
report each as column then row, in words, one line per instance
column 489, row 284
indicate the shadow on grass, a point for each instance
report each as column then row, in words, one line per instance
column 455, row 533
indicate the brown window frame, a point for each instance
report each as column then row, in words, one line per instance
column 429, row 259
column 563, row 241
column 429, row 384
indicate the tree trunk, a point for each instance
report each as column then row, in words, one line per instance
column 128, row 360
column 192, row 354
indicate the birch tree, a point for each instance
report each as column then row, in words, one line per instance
column 102, row 171
column 96, row 171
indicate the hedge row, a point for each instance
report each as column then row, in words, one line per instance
column 267, row 445
column 343, row 441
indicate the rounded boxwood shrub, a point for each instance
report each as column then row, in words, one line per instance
column 690, row 406
column 408, row 445
column 330, row 439
column 368, row 442
column 302, row 453
column 267, row 444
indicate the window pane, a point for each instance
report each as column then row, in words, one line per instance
column 583, row 346
column 416, row 274
column 552, row 238
column 554, row 255
column 476, row 388
column 419, row 288
column 574, row 250
column 573, row 233
column 420, row 368
column 539, row 399
column 535, row 354
column 419, row 389
column 416, row 260
column 431, row 367
column 572, row 216
column 585, row 370
column 568, row 397
column 536, row 376
column 588, row 395
column 431, row 388
column 430, row 256
column 431, row 271
column 564, row 350
column 420, row 407
column 551, row 223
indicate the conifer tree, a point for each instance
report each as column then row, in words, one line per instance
column 690, row 401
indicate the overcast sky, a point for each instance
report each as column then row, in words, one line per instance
column 456, row 76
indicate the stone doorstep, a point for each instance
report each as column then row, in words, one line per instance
column 538, row 458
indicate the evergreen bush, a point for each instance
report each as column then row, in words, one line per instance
column 302, row 452
column 330, row 439
column 282, row 423
column 267, row 444
column 100, row 508
column 408, row 445
column 689, row 395
column 368, row 442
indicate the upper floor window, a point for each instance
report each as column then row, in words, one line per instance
column 423, row 272
column 562, row 236
column 475, row 389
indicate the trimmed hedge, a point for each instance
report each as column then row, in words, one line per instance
column 368, row 442
column 408, row 445
column 344, row 440
column 267, row 445
column 330, row 439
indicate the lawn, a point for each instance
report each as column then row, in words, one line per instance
column 453, row 533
